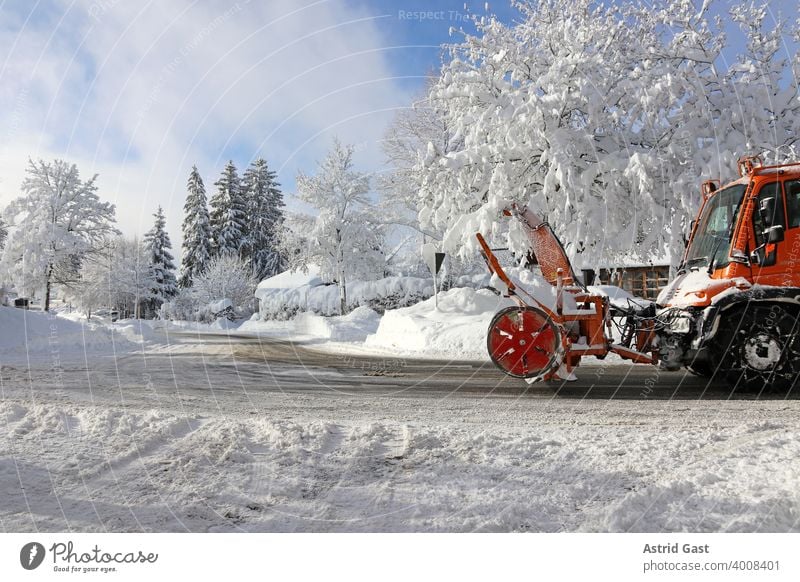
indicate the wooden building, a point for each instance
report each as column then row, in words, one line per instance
column 640, row 280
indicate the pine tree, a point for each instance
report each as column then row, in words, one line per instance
column 161, row 261
column 264, row 203
column 196, row 231
column 228, row 213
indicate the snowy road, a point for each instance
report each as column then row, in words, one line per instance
column 218, row 433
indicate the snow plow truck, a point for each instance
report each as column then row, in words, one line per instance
column 731, row 312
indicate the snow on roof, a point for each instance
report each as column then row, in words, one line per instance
column 293, row 279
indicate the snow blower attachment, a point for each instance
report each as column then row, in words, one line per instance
column 533, row 341
column 732, row 311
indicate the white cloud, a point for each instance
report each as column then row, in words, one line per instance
column 139, row 92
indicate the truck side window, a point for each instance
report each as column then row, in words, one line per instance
column 793, row 202
column 771, row 190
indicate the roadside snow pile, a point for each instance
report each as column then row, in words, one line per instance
column 137, row 331
column 286, row 295
column 353, row 327
column 456, row 330
column 31, row 333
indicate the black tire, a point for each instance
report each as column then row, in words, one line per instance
column 702, row 369
column 757, row 348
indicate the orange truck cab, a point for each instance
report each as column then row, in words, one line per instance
column 733, row 308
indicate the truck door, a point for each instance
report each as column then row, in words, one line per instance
column 790, row 265
column 769, row 211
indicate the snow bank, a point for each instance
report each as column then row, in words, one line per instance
column 356, row 326
column 283, row 302
column 456, row 330
column 35, row 333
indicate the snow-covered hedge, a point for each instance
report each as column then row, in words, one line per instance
column 380, row 295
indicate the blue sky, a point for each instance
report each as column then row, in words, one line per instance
column 139, row 91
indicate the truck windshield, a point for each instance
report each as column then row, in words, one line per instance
column 712, row 240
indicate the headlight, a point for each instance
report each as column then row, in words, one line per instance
column 680, row 324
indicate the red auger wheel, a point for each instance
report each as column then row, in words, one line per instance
column 524, row 342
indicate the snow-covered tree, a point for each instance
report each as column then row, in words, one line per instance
column 264, row 201
column 132, row 278
column 227, row 277
column 344, row 238
column 228, row 213
column 95, row 287
column 766, row 111
column 3, row 234
column 196, row 230
column 118, row 276
column 157, row 246
column 404, row 142
column 601, row 117
column 54, row 225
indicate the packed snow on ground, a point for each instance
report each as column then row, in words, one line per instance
column 189, row 447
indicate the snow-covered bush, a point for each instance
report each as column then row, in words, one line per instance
column 227, row 277
column 222, row 309
column 380, row 295
column 183, row 307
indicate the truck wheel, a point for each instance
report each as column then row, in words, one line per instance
column 758, row 348
column 702, row 369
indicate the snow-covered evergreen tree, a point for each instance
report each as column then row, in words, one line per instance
column 54, row 225
column 345, row 237
column 264, row 202
column 196, row 230
column 228, row 213
column 161, row 262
